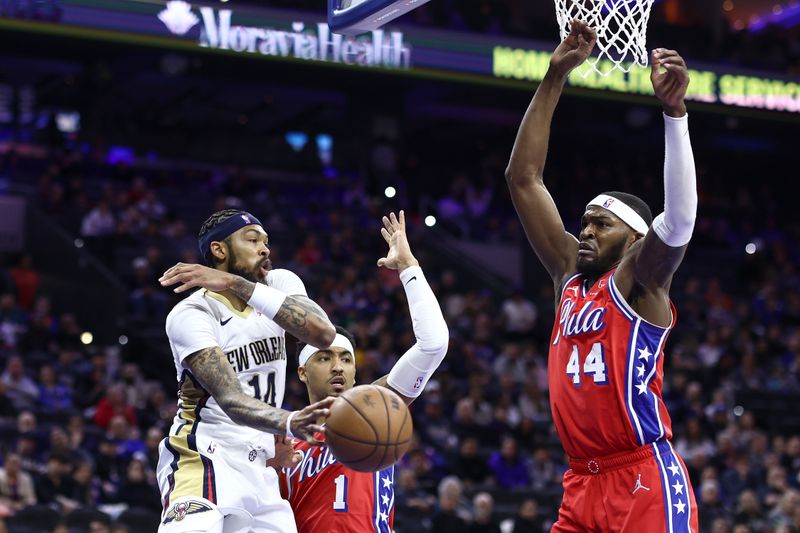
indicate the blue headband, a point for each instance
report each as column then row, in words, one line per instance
column 223, row 230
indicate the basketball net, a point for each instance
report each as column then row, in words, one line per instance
column 621, row 27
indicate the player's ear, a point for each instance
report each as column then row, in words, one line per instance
column 301, row 373
column 219, row 250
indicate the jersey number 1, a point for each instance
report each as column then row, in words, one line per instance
column 269, row 394
column 340, row 503
column 595, row 365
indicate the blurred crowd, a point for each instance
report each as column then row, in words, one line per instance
column 81, row 422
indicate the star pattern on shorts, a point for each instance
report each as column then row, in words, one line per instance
column 674, row 469
column 680, row 506
column 645, row 354
column 678, row 488
column 640, row 371
column 385, row 499
column 387, row 483
column 642, row 387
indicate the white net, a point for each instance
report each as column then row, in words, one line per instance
column 621, row 27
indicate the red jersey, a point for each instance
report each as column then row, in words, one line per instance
column 328, row 496
column 606, row 371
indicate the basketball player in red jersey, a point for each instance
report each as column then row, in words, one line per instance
column 325, row 495
column 606, row 359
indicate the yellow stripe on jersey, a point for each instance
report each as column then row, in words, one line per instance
column 224, row 301
column 192, row 473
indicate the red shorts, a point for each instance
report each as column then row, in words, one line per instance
column 647, row 490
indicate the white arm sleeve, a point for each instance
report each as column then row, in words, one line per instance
column 190, row 329
column 286, row 281
column 412, row 371
column 675, row 225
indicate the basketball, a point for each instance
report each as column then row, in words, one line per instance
column 369, row 428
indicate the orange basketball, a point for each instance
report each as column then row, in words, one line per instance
column 369, row 428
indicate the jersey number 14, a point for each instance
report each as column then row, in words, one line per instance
column 594, row 365
column 269, row 391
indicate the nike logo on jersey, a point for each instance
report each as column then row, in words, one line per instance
column 412, row 279
column 223, row 322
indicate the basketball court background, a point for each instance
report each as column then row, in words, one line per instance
column 123, row 124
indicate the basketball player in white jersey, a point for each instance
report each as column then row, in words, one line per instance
column 227, row 340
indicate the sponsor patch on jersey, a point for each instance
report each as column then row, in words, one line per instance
column 181, row 510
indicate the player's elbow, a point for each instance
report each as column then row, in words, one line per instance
column 323, row 335
column 435, row 344
column 522, row 177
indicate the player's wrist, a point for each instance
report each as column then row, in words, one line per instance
column 676, row 111
column 404, row 265
column 267, row 300
column 288, row 426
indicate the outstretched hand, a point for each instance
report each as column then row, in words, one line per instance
column 670, row 77
column 190, row 276
column 574, row 50
column 399, row 256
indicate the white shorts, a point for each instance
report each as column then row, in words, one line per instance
column 208, row 486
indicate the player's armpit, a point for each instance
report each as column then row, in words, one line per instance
column 384, row 382
column 303, row 318
column 210, row 367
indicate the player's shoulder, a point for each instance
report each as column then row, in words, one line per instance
column 193, row 303
column 286, row 281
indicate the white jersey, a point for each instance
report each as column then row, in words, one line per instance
column 255, row 347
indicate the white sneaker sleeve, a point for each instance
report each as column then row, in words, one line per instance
column 412, row 371
column 675, row 225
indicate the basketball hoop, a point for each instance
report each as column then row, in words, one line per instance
column 621, row 27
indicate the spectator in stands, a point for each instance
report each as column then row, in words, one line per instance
column 483, row 520
column 12, row 321
column 508, row 466
column 113, row 404
column 527, row 519
column 99, row 222
column 126, row 438
column 53, row 396
column 783, row 515
column 135, row 489
column 518, row 315
column 87, row 487
column 451, row 515
column 469, row 464
column 26, row 280
column 748, row 511
column 710, row 507
column 56, row 486
column 20, row 389
column 16, row 485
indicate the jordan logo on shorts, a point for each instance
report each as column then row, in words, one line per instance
column 639, row 485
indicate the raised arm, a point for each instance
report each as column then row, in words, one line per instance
column 211, row 369
column 412, row 371
column 297, row 314
column 653, row 263
column 556, row 249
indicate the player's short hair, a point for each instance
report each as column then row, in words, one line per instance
column 634, row 202
column 212, row 222
column 340, row 330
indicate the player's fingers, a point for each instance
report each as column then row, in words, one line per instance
column 402, row 220
column 386, row 235
column 393, row 218
column 382, row 261
column 387, row 224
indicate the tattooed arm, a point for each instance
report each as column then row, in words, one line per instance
column 210, row 367
column 298, row 315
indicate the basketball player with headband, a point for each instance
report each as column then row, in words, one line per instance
column 229, row 350
column 606, row 359
column 325, row 495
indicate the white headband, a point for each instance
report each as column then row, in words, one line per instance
column 339, row 342
column 621, row 209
